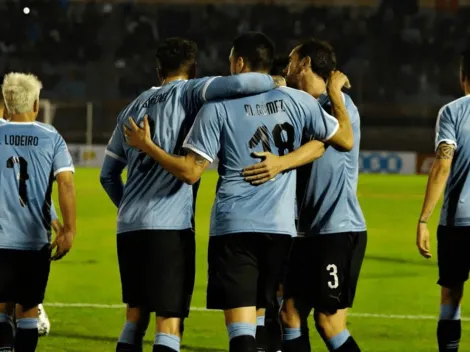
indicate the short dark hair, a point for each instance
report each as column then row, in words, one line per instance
column 256, row 49
column 465, row 65
column 322, row 55
column 279, row 65
column 176, row 55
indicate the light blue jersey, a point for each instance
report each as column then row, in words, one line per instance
column 152, row 198
column 453, row 127
column 326, row 189
column 276, row 122
column 31, row 155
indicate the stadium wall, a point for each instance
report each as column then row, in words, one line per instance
column 377, row 162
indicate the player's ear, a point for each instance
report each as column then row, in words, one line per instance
column 36, row 106
column 306, row 63
column 240, row 65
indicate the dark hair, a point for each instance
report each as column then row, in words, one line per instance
column 465, row 65
column 176, row 55
column 279, row 65
column 256, row 49
column 322, row 55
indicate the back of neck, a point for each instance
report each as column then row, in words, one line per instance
column 22, row 118
column 170, row 79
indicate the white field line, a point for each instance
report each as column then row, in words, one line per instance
column 201, row 309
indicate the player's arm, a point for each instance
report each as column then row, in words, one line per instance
column 202, row 144
column 273, row 165
column 446, row 145
column 63, row 172
column 114, row 164
column 215, row 88
column 56, row 225
column 187, row 168
column 343, row 137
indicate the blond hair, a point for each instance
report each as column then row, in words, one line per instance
column 20, row 91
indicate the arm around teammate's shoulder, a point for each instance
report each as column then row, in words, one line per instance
column 343, row 138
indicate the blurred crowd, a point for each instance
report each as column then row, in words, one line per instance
column 98, row 51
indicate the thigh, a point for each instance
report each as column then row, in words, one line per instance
column 169, row 272
column 359, row 245
column 34, row 275
column 130, row 267
column 233, row 271
column 9, row 267
column 272, row 253
column 299, row 283
column 334, row 255
column 452, row 255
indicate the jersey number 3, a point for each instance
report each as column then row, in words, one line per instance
column 22, row 177
column 283, row 136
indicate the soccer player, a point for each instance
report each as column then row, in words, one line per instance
column 156, row 243
column 324, row 266
column 32, row 155
column 451, row 170
column 251, row 226
column 44, row 325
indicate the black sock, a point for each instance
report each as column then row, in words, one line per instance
column 244, row 343
column 349, row 346
column 273, row 334
column 6, row 337
column 448, row 335
column 26, row 340
column 305, row 338
column 262, row 339
column 162, row 348
column 125, row 347
column 294, row 345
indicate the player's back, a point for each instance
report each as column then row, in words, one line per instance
column 274, row 121
column 326, row 189
column 153, row 198
column 453, row 127
column 28, row 164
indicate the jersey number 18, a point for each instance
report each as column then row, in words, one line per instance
column 283, row 136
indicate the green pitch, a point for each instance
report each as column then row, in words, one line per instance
column 395, row 307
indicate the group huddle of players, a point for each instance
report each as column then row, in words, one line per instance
column 287, row 232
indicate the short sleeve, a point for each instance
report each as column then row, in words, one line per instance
column 445, row 128
column 319, row 124
column 204, row 137
column 62, row 159
column 195, row 93
column 115, row 148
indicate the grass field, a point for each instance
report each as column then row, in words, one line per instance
column 395, row 308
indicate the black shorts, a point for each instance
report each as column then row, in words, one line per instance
column 453, row 244
column 244, row 269
column 24, row 276
column 324, row 270
column 157, row 270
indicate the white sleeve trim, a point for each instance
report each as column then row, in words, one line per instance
column 197, row 151
column 446, row 141
column 204, row 89
column 115, row 156
column 64, row 169
column 335, row 129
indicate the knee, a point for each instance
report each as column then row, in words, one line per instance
column 290, row 316
column 329, row 325
column 171, row 326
